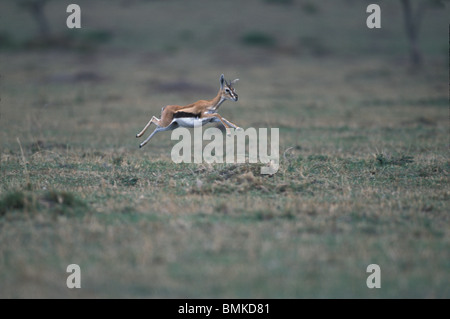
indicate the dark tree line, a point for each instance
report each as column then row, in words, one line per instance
column 412, row 13
column 413, row 18
column 37, row 10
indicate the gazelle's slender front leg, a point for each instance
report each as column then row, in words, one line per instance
column 231, row 124
column 154, row 120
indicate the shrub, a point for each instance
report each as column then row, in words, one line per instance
column 258, row 38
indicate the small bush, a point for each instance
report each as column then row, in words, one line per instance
column 124, row 180
column 310, row 8
column 13, row 200
column 7, row 42
column 402, row 160
column 258, row 38
column 117, row 160
column 53, row 201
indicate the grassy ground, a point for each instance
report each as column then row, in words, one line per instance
column 364, row 168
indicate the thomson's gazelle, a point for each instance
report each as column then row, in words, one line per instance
column 173, row 116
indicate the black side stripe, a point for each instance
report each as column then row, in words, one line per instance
column 185, row 114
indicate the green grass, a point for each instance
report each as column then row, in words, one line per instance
column 364, row 160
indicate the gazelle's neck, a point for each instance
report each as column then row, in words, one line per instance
column 215, row 102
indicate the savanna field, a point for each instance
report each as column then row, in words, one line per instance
column 364, row 166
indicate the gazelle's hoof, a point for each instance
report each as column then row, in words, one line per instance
column 239, row 129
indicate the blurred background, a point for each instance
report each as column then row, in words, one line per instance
column 137, row 56
column 285, row 27
column 292, row 56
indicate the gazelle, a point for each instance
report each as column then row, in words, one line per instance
column 173, row 116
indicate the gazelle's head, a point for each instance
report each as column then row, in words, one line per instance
column 227, row 89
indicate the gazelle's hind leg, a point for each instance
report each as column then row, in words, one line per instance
column 171, row 126
column 217, row 118
column 154, row 120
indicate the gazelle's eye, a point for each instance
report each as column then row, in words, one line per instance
column 227, row 90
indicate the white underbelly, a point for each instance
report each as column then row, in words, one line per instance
column 191, row 121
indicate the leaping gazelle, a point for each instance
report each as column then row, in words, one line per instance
column 173, row 116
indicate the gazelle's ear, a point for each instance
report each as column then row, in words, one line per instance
column 222, row 80
column 234, row 81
